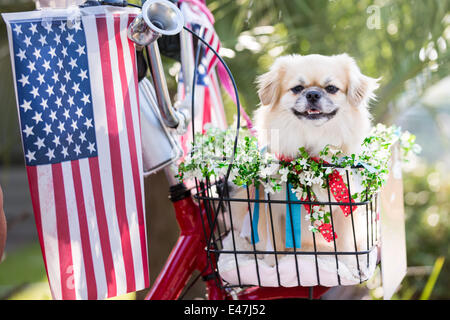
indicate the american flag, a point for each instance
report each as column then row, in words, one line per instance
column 208, row 97
column 77, row 98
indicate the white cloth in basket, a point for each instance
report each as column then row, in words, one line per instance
column 229, row 263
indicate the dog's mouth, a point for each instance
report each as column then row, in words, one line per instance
column 314, row 114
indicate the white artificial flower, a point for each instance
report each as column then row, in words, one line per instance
column 304, row 163
column 284, row 173
column 417, row 149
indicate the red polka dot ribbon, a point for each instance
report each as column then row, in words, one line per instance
column 340, row 193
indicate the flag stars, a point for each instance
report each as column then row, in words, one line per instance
column 91, row 147
column 88, row 123
column 64, row 51
column 55, row 77
column 32, row 28
column 35, row 92
column 21, row 54
column 49, row 90
column 52, row 52
column 77, row 149
column 66, row 114
column 50, row 154
column 73, row 63
column 56, row 141
column 42, row 40
column 61, row 127
column 67, row 76
column 30, row 155
column 74, row 125
column 70, row 100
column 77, row 26
column 27, row 41
column 79, row 112
column 26, row 105
column 28, row 131
column 58, row 55
column 76, row 87
column 64, row 152
column 69, row 38
column 39, row 143
column 69, row 139
column 18, row 29
column 46, row 65
column 60, row 64
column 82, row 136
column 31, row 66
column 62, row 27
column 44, row 104
column 40, row 78
column 57, row 39
column 83, row 74
column 48, row 129
column 80, row 50
column 85, row 99
column 48, row 27
column 58, row 102
column 53, row 115
column 24, row 80
column 62, row 89
column 37, row 117
column 37, row 53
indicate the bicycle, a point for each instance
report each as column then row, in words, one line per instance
column 200, row 242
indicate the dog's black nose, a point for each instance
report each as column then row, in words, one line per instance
column 313, row 96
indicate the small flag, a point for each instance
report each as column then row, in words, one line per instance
column 76, row 88
column 208, row 97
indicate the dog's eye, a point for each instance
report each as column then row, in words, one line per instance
column 331, row 89
column 297, row 89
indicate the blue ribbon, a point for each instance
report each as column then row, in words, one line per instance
column 255, row 218
column 294, row 216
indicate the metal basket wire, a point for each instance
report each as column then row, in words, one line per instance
column 217, row 202
column 215, row 198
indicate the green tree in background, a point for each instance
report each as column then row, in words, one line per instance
column 395, row 40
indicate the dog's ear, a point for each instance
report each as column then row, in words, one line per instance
column 269, row 83
column 361, row 88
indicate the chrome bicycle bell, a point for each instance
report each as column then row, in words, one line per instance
column 158, row 17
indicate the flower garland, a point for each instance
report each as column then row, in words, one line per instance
column 211, row 155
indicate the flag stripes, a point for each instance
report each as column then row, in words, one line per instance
column 90, row 211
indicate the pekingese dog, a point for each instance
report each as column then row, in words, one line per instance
column 309, row 101
column 313, row 101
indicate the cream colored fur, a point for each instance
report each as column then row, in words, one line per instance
column 284, row 133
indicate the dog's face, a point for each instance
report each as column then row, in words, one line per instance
column 315, row 88
column 313, row 101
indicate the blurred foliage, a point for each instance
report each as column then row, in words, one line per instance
column 427, row 208
column 394, row 40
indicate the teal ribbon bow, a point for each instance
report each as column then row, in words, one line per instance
column 293, row 220
column 255, row 218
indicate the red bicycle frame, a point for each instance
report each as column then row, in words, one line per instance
column 189, row 254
